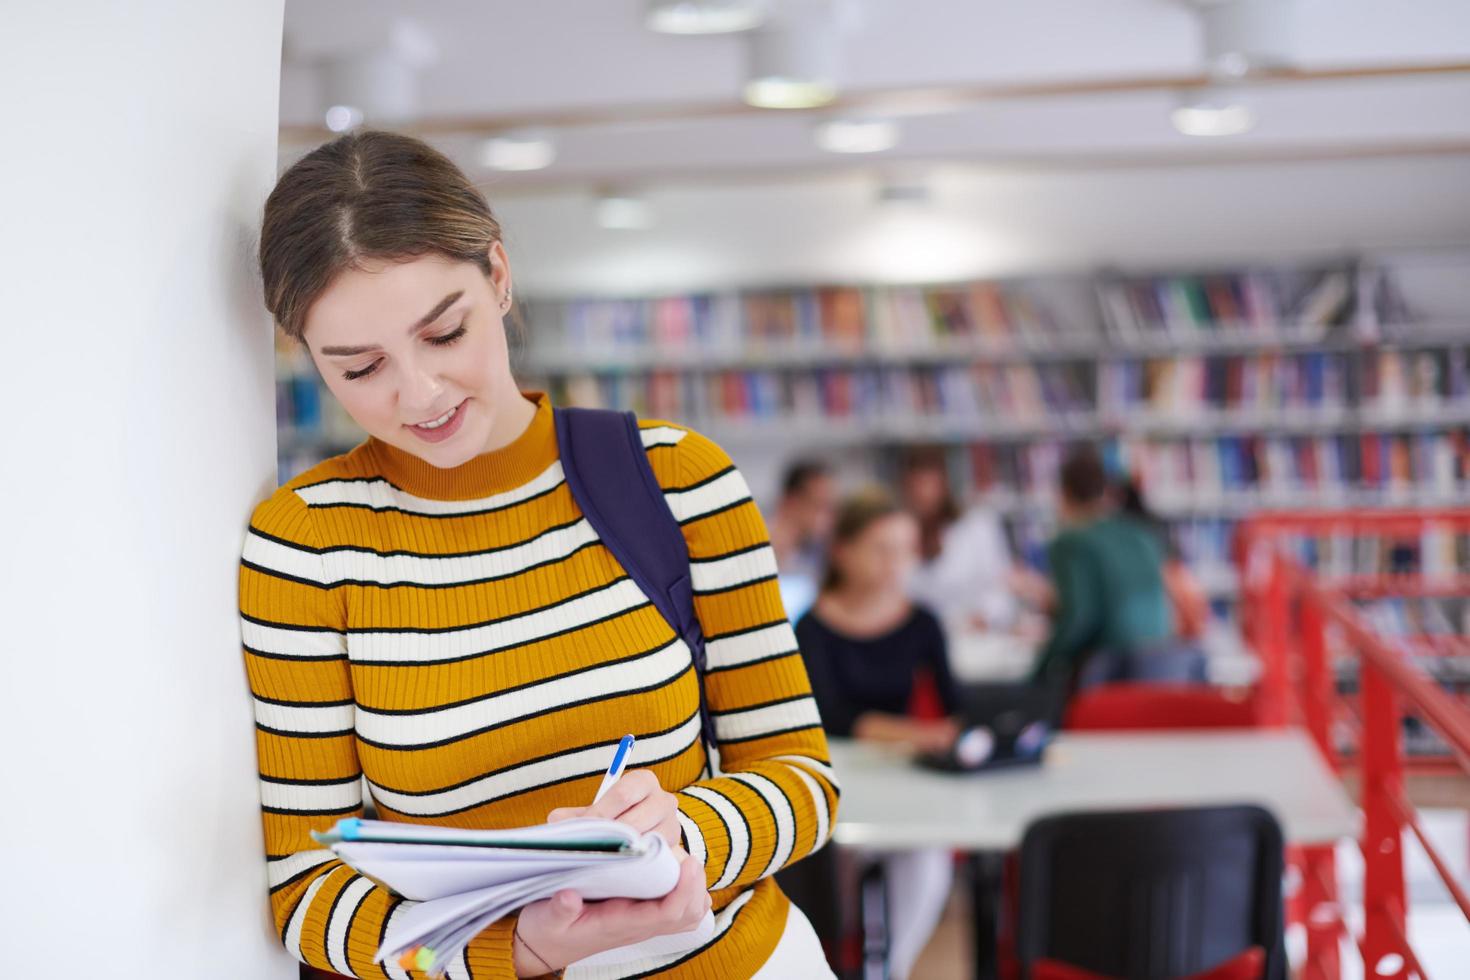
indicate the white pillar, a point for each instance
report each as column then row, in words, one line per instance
column 138, row 145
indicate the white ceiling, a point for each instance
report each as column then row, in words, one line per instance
column 1021, row 182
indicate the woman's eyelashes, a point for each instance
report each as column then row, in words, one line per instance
column 355, row 375
column 448, row 338
column 444, row 340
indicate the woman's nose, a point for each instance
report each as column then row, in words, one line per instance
column 421, row 389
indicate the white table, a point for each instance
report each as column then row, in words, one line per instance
column 888, row 802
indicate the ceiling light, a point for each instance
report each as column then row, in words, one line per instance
column 341, row 118
column 526, row 149
column 857, row 135
column 704, row 16
column 623, row 212
column 1212, row 111
column 793, row 67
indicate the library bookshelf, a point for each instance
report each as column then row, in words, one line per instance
column 1338, row 382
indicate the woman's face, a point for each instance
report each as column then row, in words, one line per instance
column 882, row 556
column 923, row 490
column 401, row 344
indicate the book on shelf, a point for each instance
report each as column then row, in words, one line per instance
column 1256, row 302
column 1029, row 393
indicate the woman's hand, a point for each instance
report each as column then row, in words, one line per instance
column 934, row 736
column 637, row 800
column 908, row 733
column 563, row 929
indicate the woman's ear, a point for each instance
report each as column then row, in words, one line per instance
column 500, row 277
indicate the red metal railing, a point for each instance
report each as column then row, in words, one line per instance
column 1291, row 614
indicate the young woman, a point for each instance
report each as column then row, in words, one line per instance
column 966, row 572
column 865, row 644
column 432, row 611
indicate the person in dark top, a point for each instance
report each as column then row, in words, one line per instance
column 866, row 644
column 1111, row 620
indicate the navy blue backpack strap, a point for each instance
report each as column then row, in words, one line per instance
column 608, row 472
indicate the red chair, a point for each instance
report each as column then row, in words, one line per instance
column 1130, row 705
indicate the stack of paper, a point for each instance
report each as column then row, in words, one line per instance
column 463, row 880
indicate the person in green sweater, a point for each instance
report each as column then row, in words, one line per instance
column 1111, row 616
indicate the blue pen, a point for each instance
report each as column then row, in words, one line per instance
column 619, row 763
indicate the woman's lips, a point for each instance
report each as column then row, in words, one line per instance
column 444, row 431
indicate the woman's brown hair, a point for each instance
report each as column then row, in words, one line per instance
column 922, row 459
column 368, row 195
column 855, row 515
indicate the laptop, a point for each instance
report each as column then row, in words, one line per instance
column 1002, row 726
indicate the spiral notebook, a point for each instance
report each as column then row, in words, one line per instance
column 463, row 880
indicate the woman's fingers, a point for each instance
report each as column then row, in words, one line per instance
column 670, row 831
column 650, row 813
column 565, row 906
column 689, row 900
column 566, row 813
column 630, row 790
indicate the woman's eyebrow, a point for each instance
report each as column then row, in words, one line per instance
column 424, row 321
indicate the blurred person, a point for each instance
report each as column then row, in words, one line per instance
column 866, row 644
column 1187, row 601
column 799, row 531
column 443, row 569
column 1111, row 618
column 966, row 569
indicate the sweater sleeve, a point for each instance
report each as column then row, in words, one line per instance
column 774, row 797
column 293, row 627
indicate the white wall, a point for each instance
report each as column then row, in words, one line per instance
column 139, row 145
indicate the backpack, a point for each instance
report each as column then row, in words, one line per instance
column 608, row 473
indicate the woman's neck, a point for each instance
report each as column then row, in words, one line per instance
column 862, row 612
column 511, row 421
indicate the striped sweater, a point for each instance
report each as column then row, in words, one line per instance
column 463, row 640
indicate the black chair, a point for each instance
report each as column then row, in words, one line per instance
column 1151, row 895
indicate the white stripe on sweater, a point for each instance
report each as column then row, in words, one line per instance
column 518, row 779
column 772, row 718
column 304, row 719
column 712, row 575
column 434, row 726
column 739, row 833
column 785, row 817
column 661, row 435
column 352, row 897
column 298, row 917
column 690, row 504
column 693, row 838
column 311, row 797
column 363, row 565
column 744, row 648
column 282, row 642
column 282, row 869
column 562, row 617
column 380, row 494
column 819, row 800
